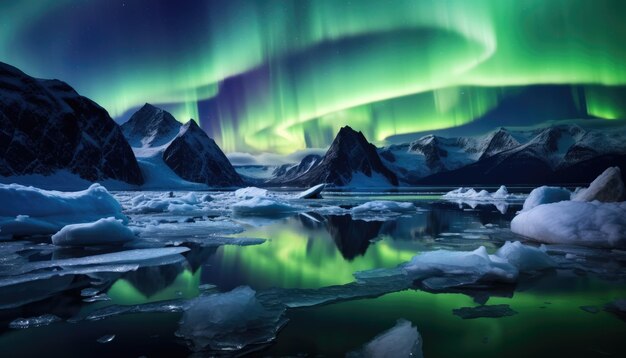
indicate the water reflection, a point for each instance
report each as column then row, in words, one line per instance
column 311, row 250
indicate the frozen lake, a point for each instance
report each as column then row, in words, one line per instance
column 302, row 299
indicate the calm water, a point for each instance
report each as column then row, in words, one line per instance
column 314, row 251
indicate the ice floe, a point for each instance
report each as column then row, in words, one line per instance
column 250, row 192
column 483, row 195
column 44, row 320
column 263, row 206
column 230, row 321
column 442, row 269
column 107, row 231
column 383, row 206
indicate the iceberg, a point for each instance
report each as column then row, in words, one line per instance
column 31, row 211
column 471, row 194
column 594, row 224
column 312, row 193
column 250, row 192
column 545, row 195
column 108, row 231
column 383, row 206
column 402, row 340
column 607, row 187
column 263, row 206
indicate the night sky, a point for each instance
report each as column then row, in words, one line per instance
column 280, row 75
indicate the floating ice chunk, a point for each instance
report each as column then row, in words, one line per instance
column 88, row 292
column 97, row 298
column 383, row 206
column 607, row 187
column 181, row 208
column 493, row 311
column 546, row 195
column 263, row 206
column 524, row 257
column 230, row 321
column 108, row 231
column 592, row 224
column 403, row 340
column 250, row 192
column 471, row 194
column 312, row 193
column 22, row 323
column 32, row 211
column 476, row 264
column 106, row 338
column 138, row 256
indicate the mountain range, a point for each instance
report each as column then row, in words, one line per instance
column 46, row 127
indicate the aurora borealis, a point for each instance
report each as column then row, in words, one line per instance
column 279, row 75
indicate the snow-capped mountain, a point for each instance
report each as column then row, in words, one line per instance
column 150, row 127
column 196, row 158
column 350, row 161
column 175, row 155
column 288, row 172
column 559, row 154
column 47, row 128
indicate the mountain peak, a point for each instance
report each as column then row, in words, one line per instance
column 150, row 126
column 349, row 157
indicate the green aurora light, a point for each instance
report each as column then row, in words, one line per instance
column 304, row 68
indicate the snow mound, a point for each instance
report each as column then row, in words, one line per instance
column 32, row 211
column 402, row 340
column 593, row 224
column 260, row 206
column 108, row 231
column 312, row 193
column 383, row 206
column 607, row 187
column 230, row 321
column 546, row 195
column 250, row 192
column 471, row 194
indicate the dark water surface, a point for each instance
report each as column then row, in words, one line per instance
column 314, row 251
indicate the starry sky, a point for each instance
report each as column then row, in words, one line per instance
column 284, row 75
